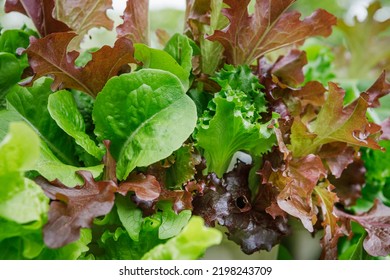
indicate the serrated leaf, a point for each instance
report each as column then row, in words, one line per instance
column 248, row 37
column 145, row 115
column 228, row 132
column 63, row 109
column 377, row 224
column 335, row 123
column 74, row 208
column 49, row 56
column 135, row 21
column 40, row 12
column 326, row 200
column 81, row 16
column 296, row 182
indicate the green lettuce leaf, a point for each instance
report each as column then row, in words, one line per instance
column 21, row 200
column 10, row 73
column 63, row 109
column 179, row 47
column 191, row 243
column 31, row 103
column 50, row 167
column 232, row 121
column 159, row 59
column 145, row 115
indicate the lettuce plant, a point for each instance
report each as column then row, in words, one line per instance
column 127, row 151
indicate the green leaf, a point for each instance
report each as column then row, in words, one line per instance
column 355, row 252
column 6, row 117
column 130, row 216
column 180, row 49
column 31, row 103
column 145, row 115
column 26, row 204
column 159, row 59
column 21, row 200
column 17, row 154
column 228, row 132
column 11, row 40
column 72, row 251
column 63, row 109
column 183, row 168
column 191, row 243
column 50, row 167
column 171, row 223
column 10, row 72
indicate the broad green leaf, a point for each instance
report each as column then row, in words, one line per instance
column 6, row 117
column 171, row 223
column 63, row 109
column 228, row 132
column 10, row 72
column 21, row 200
column 17, row 154
column 159, row 59
column 191, row 243
column 130, row 216
column 145, row 115
column 27, row 202
column 50, row 167
column 11, row 40
column 180, row 49
column 355, row 252
column 31, row 103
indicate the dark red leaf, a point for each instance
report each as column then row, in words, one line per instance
column 289, row 68
column 248, row 37
column 146, row 188
column 49, row 56
column 135, row 21
column 109, row 164
column 81, row 16
column 75, row 208
column 385, row 129
column 379, row 89
column 337, row 156
column 350, row 183
column 41, row 14
column 377, row 224
column 296, row 182
column 227, row 201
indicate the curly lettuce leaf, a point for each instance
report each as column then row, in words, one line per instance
column 232, row 121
